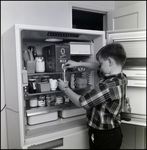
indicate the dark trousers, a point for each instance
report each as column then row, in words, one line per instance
column 105, row 139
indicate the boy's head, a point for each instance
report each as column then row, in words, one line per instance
column 111, row 57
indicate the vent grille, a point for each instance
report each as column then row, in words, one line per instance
column 135, row 62
column 62, row 34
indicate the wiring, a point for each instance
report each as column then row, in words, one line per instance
column 3, row 108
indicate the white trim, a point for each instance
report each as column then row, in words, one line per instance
column 70, row 14
column 57, row 29
column 126, row 30
column 89, row 7
column 20, row 88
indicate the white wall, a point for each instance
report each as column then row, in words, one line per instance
column 36, row 13
column 120, row 4
column 46, row 13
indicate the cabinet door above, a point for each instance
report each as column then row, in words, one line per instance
column 132, row 16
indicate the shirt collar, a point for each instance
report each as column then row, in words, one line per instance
column 119, row 75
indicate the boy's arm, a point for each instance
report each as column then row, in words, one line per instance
column 90, row 65
column 73, row 96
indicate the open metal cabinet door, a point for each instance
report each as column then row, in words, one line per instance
column 134, row 42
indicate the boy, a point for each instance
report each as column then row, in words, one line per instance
column 104, row 102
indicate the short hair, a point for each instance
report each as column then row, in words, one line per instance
column 115, row 51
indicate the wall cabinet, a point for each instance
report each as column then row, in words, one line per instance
column 130, row 17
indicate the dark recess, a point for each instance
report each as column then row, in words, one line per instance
column 87, row 20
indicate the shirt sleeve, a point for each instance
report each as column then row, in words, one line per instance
column 117, row 94
column 95, row 97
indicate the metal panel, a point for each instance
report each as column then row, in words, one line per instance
column 121, row 23
column 48, row 145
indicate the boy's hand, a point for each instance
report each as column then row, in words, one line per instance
column 62, row 84
column 71, row 64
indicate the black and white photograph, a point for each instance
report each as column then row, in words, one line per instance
column 73, row 74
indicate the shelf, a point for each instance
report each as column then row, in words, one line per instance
column 78, row 71
column 46, row 109
column 52, row 73
column 55, row 126
column 45, row 73
column 41, row 93
column 54, row 92
column 136, row 122
column 80, row 54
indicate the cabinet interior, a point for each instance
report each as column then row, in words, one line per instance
column 39, row 40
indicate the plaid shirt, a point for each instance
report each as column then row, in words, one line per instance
column 104, row 102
